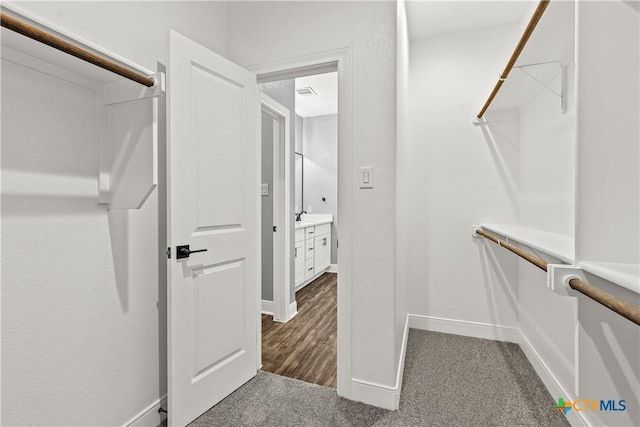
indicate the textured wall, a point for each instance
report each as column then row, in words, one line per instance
column 456, row 174
column 83, row 289
column 262, row 32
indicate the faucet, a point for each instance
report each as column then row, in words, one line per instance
column 299, row 216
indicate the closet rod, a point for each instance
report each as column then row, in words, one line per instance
column 57, row 43
column 533, row 22
column 538, row 262
column 613, row 303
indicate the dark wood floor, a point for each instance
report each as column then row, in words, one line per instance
column 305, row 347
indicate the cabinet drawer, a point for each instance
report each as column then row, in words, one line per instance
column 309, row 232
column 322, row 229
column 309, row 248
column 308, row 268
column 299, row 235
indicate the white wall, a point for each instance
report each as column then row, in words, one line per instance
column 298, row 166
column 320, row 141
column 608, row 198
column 84, row 290
column 264, row 32
column 608, row 153
column 547, row 160
column 456, row 174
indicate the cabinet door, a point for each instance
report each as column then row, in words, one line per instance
column 299, row 262
column 322, row 252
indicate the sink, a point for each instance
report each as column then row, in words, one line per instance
column 302, row 224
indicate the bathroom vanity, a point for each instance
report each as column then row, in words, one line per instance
column 312, row 251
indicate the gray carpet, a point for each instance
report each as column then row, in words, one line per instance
column 448, row 380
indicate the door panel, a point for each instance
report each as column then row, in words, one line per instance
column 218, row 111
column 213, row 204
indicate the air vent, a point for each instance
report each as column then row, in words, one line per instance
column 306, row 91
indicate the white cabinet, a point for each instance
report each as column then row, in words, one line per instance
column 322, row 252
column 299, row 257
column 312, row 252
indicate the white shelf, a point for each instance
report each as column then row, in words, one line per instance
column 625, row 275
column 556, row 245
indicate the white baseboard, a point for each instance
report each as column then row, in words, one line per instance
column 333, row 268
column 150, row 417
column 403, row 354
column 374, row 394
column 267, row 307
column 575, row 418
column 465, row 328
column 315, row 276
column 380, row 395
column 292, row 310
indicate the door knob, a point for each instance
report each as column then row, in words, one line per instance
column 184, row 251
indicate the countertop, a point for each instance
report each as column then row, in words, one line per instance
column 311, row 220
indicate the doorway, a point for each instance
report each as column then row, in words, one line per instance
column 304, row 347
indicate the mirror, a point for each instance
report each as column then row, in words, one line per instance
column 299, row 174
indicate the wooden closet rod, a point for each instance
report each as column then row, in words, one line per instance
column 613, row 303
column 538, row 262
column 533, row 22
column 57, row 43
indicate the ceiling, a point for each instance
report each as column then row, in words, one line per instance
column 427, row 19
column 326, row 100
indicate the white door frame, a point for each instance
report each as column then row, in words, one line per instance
column 281, row 205
column 340, row 60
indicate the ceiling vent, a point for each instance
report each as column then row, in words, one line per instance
column 306, row 91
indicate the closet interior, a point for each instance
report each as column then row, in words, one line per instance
column 571, row 121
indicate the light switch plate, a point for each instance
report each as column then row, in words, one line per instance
column 265, row 189
column 366, row 177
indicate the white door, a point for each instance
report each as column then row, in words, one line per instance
column 213, row 197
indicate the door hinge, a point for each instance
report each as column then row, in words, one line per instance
column 336, row 244
column 168, row 252
column 274, row 229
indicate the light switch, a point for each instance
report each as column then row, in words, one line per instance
column 366, row 177
column 265, row 189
